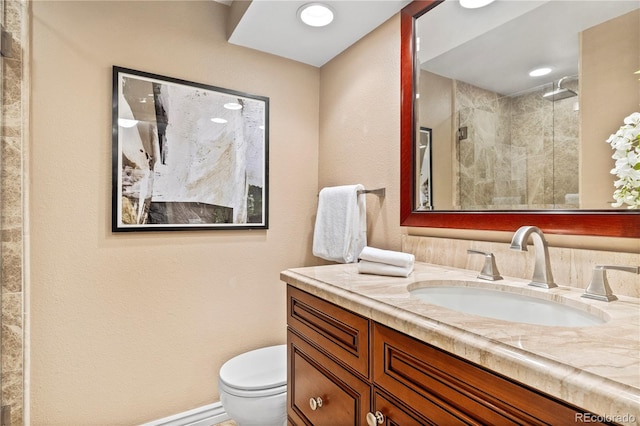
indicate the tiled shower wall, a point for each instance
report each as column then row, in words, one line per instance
column 520, row 151
column 13, row 126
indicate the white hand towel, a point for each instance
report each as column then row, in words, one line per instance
column 340, row 231
column 375, row 268
column 395, row 258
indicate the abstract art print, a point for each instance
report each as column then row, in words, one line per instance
column 187, row 156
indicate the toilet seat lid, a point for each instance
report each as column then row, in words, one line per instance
column 262, row 368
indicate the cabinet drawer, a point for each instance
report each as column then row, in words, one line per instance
column 344, row 398
column 342, row 334
column 436, row 383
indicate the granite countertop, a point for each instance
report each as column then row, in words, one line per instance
column 596, row 368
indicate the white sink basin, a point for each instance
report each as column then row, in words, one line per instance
column 502, row 305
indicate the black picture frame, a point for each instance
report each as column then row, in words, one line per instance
column 187, row 156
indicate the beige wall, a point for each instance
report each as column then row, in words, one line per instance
column 132, row 327
column 360, row 126
column 608, row 95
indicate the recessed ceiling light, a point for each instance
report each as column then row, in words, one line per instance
column 315, row 14
column 474, row 4
column 232, row 105
column 219, row 120
column 539, row 72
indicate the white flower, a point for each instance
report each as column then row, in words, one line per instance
column 626, row 143
column 633, row 119
column 631, row 133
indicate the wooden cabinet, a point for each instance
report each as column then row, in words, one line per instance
column 344, row 368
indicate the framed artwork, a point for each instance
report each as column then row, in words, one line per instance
column 187, row 156
column 424, row 187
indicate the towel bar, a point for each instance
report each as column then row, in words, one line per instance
column 380, row 192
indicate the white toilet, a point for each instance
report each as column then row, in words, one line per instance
column 253, row 387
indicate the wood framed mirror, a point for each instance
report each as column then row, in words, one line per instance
column 598, row 222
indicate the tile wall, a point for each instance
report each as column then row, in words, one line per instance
column 11, row 210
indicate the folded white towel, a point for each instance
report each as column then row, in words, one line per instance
column 375, row 268
column 340, row 231
column 395, row 258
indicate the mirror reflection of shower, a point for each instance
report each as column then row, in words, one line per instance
column 520, row 151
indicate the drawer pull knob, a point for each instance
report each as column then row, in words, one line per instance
column 375, row 419
column 315, row 403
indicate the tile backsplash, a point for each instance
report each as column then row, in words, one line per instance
column 570, row 266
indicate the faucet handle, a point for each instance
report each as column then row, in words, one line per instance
column 490, row 269
column 632, row 269
column 599, row 288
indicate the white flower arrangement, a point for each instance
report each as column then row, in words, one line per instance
column 626, row 143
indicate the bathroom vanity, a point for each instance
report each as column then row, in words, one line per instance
column 362, row 350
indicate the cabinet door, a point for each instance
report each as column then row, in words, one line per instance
column 320, row 391
column 341, row 334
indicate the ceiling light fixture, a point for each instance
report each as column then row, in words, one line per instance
column 219, row 120
column 474, row 4
column 315, row 14
column 539, row 72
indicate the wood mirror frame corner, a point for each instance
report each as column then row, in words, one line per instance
column 612, row 223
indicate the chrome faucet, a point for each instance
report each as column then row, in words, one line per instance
column 490, row 269
column 599, row 286
column 542, row 276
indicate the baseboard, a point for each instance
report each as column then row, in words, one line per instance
column 206, row 415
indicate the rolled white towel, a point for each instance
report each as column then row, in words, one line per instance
column 376, row 268
column 389, row 257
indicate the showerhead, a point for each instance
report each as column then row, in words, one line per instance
column 560, row 92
